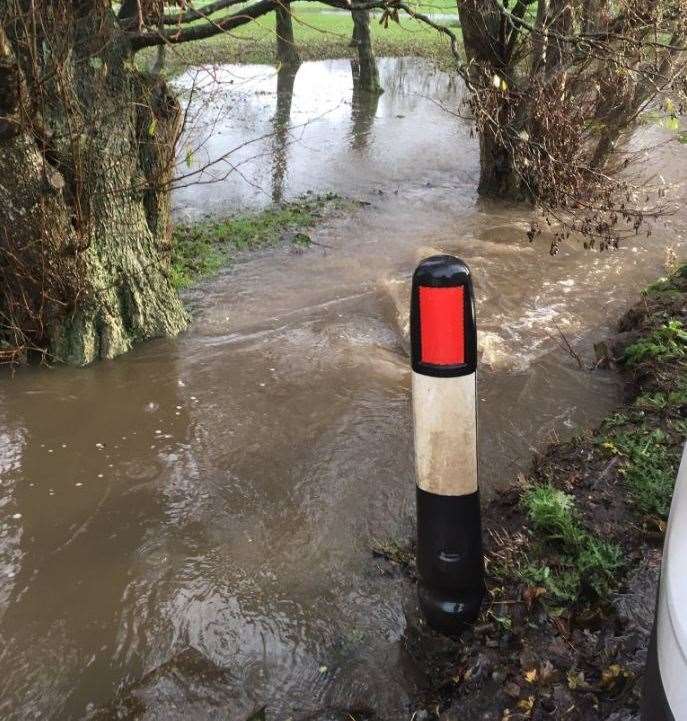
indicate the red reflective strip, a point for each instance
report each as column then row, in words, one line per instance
column 442, row 339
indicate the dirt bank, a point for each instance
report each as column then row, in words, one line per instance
column 573, row 551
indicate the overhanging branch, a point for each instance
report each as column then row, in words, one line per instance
column 194, row 14
column 149, row 37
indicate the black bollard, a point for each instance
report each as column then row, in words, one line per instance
column 450, row 561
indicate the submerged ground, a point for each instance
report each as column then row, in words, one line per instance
column 205, row 506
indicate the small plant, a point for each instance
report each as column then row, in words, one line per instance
column 658, row 286
column 562, row 585
column 577, row 562
column 552, row 511
column 663, row 401
column 616, row 420
column 665, row 343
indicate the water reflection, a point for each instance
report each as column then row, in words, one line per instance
column 240, row 114
column 364, row 104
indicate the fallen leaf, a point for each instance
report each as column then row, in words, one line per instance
column 576, row 680
column 610, row 675
column 530, row 676
column 526, row 705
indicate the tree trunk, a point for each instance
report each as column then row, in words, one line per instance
column 487, row 49
column 84, row 193
column 498, row 178
column 367, row 72
column 287, row 54
column 282, row 117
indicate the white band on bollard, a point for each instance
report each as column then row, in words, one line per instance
column 445, row 434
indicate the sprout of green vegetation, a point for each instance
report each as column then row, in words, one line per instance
column 663, row 289
column 662, row 400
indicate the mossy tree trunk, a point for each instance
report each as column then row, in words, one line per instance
column 87, row 151
column 487, row 53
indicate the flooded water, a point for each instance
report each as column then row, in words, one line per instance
column 219, row 491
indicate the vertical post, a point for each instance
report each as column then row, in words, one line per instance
column 450, row 562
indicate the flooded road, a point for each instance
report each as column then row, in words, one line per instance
column 219, row 491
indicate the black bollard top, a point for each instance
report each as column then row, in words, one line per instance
column 443, row 331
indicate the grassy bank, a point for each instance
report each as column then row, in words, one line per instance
column 201, row 248
column 573, row 550
column 320, row 33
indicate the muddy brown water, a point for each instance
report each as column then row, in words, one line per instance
column 220, row 490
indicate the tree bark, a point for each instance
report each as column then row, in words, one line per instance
column 498, row 178
column 282, row 117
column 367, row 72
column 287, row 54
column 488, row 50
column 84, row 194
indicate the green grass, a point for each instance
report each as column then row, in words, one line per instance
column 201, row 249
column 650, row 461
column 648, row 436
column 570, row 562
column 320, row 33
column 662, row 400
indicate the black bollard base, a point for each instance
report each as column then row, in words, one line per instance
column 447, row 615
column 450, row 561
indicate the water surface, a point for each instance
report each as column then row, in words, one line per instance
column 220, row 490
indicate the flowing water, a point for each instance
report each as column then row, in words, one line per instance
column 220, row 490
